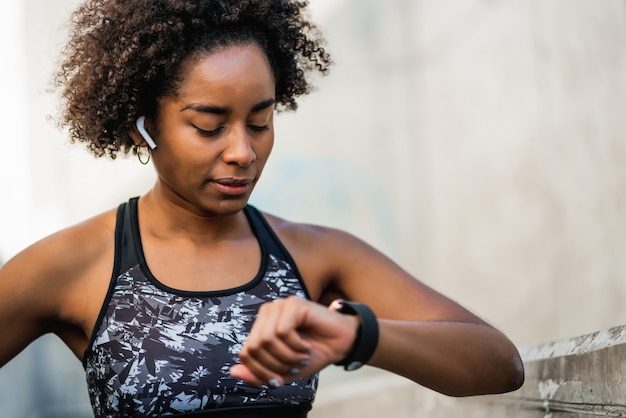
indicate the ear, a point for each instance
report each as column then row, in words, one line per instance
column 140, row 135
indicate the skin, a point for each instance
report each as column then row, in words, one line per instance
column 214, row 138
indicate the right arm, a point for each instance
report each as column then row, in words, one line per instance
column 27, row 297
column 47, row 288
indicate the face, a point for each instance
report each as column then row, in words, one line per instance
column 214, row 137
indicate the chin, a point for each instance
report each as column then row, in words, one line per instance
column 228, row 206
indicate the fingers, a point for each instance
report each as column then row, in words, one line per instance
column 273, row 361
column 335, row 305
column 275, row 351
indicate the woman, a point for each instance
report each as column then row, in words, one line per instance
column 187, row 300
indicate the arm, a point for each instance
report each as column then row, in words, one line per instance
column 46, row 288
column 27, row 301
column 424, row 336
column 454, row 358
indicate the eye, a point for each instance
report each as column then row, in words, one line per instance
column 258, row 128
column 211, row 133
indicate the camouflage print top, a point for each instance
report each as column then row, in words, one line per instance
column 157, row 351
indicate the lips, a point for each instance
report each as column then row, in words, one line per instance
column 233, row 182
column 233, row 186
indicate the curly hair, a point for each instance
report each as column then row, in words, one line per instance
column 124, row 55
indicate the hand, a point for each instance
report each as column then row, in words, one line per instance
column 292, row 338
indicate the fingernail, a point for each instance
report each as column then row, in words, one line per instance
column 336, row 305
column 294, row 371
column 274, row 383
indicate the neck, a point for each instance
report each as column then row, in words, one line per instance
column 165, row 216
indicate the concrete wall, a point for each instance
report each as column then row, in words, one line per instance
column 493, row 132
column 480, row 143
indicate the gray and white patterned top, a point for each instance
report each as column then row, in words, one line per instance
column 158, row 351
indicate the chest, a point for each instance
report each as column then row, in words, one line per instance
column 193, row 268
column 158, row 350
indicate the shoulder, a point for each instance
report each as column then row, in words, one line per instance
column 328, row 258
column 335, row 263
column 306, row 236
column 55, row 262
column 74, row 245
column 53, row 285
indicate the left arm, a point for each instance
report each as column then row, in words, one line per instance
column 453, row 358
column 424, row 336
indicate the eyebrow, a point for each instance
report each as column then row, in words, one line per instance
column 219, row 110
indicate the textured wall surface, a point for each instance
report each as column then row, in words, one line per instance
column 491, row 136
column 480, row 143
column 572, row 378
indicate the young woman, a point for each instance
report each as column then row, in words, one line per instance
column 187, row 300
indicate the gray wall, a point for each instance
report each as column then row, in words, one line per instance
column 492, row 134
column 479, row 143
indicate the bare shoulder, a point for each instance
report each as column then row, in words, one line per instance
column 328, row 258
column 317, row 241
column 335, row 263
column 340, row 250
column 313, row 249
column 58, row 262
column 69, row 249
column 50, row 286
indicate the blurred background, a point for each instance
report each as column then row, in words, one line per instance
column 479, row 143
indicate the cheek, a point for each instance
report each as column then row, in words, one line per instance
column 176, row 161
column 263, row 152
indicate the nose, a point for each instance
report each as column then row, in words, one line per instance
column 238, row 149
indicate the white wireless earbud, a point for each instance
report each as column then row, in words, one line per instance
column 142, row 130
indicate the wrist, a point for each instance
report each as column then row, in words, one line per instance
column 366, row 338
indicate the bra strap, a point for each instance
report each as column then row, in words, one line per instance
column 125, row 245
column 268, row 237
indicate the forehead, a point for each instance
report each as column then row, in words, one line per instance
column 233, row 68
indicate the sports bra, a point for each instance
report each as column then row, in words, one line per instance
column 158, row 351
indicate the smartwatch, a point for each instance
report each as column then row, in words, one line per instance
column 366, row 339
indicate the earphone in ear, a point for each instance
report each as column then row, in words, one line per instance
column 142, row 130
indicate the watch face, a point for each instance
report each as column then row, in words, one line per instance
column 353, row 366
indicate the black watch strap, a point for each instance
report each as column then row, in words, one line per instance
column 366, row 339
